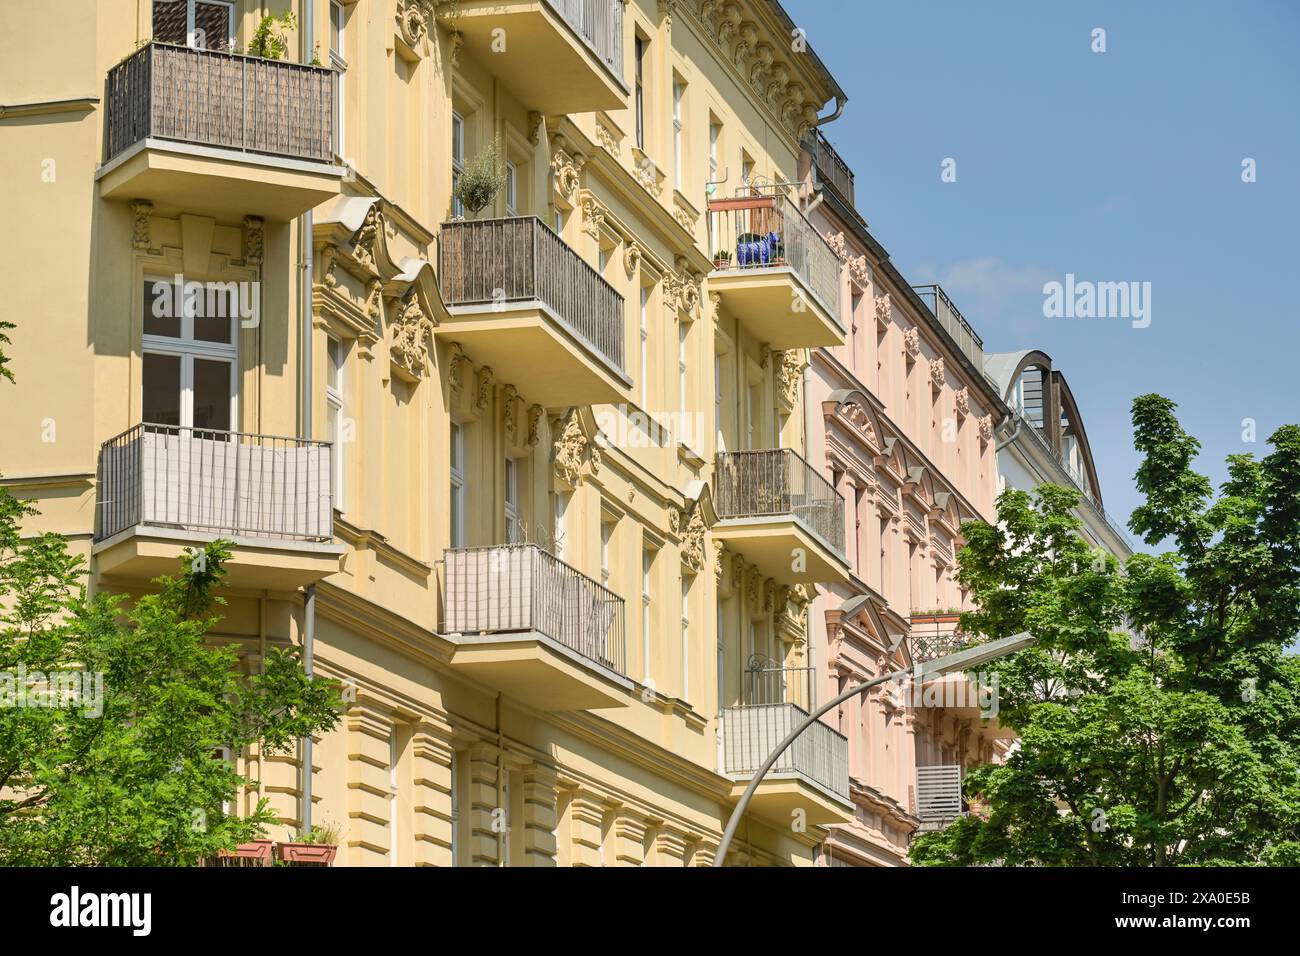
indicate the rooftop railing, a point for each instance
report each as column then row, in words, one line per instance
column 518, row 259
column 778, row 482
column 220, row 482
column 953, row 322
column 831, row 169
column 760, row 228
column 220, row 100
column 517, row 588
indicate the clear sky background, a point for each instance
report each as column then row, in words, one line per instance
column 1115, row 166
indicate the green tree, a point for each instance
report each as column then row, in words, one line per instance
column 1158, row 714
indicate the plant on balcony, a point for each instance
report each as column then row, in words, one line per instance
column 1158, row 713
column 269, row 39
column 481, row 180
column 317, row 847
column 722, row 259
column 113, row 763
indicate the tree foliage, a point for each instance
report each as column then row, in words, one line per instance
column 1158, row 713
column 143, row 782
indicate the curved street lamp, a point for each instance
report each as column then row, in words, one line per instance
column 962, row 660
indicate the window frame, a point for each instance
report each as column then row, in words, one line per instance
column 335, row 401
column 187, row 348
column 456, row 471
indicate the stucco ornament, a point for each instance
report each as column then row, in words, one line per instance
column 509, row 398
column 986, row 428
column 859, row 272
column 884, row 309
column 141, row 211
column 535, row 413
column 254, row 232
column 937, row 374
column 693, row 539
column 454, row 359
column 570, row 450
column 328, row 260
column 837, row 243
column 632, row 257
column 963, row 402
column 566, row 170
column 413, row 19
column 912, row 342
column 719, row 562
column 363, row 247
column 484, row 387
column 412, row 332
column 593, row 216
column 790, row 376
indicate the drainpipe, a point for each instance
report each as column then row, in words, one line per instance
column 807, row 453
column 309, row 603
column 1009, row 439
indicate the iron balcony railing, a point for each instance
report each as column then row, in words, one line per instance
column 517, row 588
column 222, row 100
column 751, row 733
column 831, row 170
column 778, row 482
column 599, row 24
column 938, row 795
column 760, row 228
column 490, row 261
column 221, row 482
column 766, row 681
column 932, row 636
column 953, row 322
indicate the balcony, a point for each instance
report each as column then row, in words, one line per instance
column 812, row 775
column 954, row 323
column 162, row 489
column 779, row 512
column 935, row 634
column 525, row 623
column 526, row 304
column 831, row 170
column 774, row 271
column 559, row 56
column 219, row 134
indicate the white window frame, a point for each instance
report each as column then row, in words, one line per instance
column 683, row 331
column 679, row 93
column 686, row 637
column 457, row 473
column 560, row 545
column 457, row 160
column 191, row 38
column 338, row 23
column 715, row 136
column 647, row 603
column 717, row 401
column 644, row 331
column 512, row 189
column 188, row 348
column 606, row 535
column 512, row 501
column 335, row 389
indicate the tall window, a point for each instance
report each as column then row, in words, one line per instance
column 190, row 366
column 340, row 65
column 457, row 485
column 639, row 50
column 512, row 501
column 644, row 325
column 717, row 402
column 686, row 637
column 715, row 138
column 679, row 91
column 647, row 609
column 201, row 24
column 334, row 380
column 457, row 160
column 683, row 328
column 561, row 510
column 606, row 534
column 512, row 189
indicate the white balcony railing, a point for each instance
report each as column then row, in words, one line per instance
column 750, row 734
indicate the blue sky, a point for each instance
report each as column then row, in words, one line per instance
column 1115, row 166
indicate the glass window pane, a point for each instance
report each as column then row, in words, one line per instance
column 336, row 27
column 211, row 26
column 162, row 311
column 332, row 364
column 214, row 310
column 169, row 21
column 162, row 389
column 212, row 394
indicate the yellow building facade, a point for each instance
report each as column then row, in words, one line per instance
column 531, row 480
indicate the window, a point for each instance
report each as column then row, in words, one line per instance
column 746, row 168
column 683, row 328
column 686, row 637
column 189, row 377
column 561, row 510
column 512, row 189
column 457, row 161
column 645, row 347
column 715, row 137
column 679, row 91
column 334, row 401
column 457, row 485
column 512, row 501
column 337, row 18
column 717, row 402
column 647, row 606
column 201, row 24
column 639, row 92
column 606, row 533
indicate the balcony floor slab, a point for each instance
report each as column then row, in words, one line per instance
column 783, row 549
column 539, row 671
column 763, row 299
column 779, row 796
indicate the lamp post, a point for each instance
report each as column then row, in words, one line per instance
column 962, row 660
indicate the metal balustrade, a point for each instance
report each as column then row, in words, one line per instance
column 831, row 170
column 519, row 259
column 761, row 229
column 599, row 24
column 938, row 794
column 778, row 482
column 220, row 100
column 222, row 482
column 520, row 588
column 953, row 322
column 766, row 681
column 751, row 733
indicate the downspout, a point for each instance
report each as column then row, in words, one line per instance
column 807, row 453
column 840, row 102
column 309, row 602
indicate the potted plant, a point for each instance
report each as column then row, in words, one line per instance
column 722, row 259
column 269, row 41
column 252, row 850
column 481, row 180
column 317, row 847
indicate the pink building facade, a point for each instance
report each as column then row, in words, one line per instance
column 902, row 421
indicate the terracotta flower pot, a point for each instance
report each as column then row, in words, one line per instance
column 253, row 850
column 318, row 853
